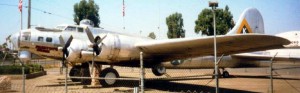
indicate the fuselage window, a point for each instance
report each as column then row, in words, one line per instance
column 80, row 29
column 48, row 39
column 70, row 28
column 41, row 39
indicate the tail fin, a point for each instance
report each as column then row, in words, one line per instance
column 250, row 21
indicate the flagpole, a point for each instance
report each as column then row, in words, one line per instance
column 21, row 20
column 20, row 6
column 19, row 39
column 123, row 15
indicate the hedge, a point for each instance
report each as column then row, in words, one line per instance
column 17, row 69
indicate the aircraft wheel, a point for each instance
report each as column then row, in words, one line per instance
column 75, row 71
column 225, row 74
column 158, row 70
column 85, row 73
column 108, row 73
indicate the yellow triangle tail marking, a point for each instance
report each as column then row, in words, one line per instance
column 244, row 24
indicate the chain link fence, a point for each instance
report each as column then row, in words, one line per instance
column 286, row 79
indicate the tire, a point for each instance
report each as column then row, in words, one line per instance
column 85, row 73
column 75, row 71
column 158, row 70
column 225, row 74
column 108, row 73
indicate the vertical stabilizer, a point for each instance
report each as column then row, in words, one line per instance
column 250, row 21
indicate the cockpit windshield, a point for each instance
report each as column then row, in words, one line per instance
column 70, row 28
column 61, row 27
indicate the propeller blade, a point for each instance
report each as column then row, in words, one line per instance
column 63, row 61
column 101, row 39
column 61, row 40
column 90, row 35
column 65, row 48
column 96, row 49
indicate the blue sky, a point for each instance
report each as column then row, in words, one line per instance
column 145, row 16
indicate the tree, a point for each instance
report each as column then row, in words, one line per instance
column 4, row 45
column 86, row 10
column 152, row 35
column 175, row 26
column 224, row 22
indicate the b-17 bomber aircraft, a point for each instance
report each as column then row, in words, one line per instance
column 82, row 44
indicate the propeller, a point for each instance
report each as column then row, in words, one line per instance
column 65, row 48
column 95, row 41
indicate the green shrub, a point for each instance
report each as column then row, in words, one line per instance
column 16, row 69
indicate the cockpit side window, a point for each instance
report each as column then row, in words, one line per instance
column 70, row 28
column 48, row 39
column 80, row 29
column 26, row 36
column 41, row 39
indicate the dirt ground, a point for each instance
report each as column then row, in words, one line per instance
column 247, row 80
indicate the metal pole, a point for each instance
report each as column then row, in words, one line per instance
column 29, row 13
column 215, row 53
column 19, row 39
column 271, row 76
column 21, row 21
column 24, row 76
column 142, row 72
column 214, row 5
column 66, row 78
column 271, row 73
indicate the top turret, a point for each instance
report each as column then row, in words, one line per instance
column 86, row 22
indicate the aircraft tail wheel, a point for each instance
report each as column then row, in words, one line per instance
column 158, row 70
column 108, row 73
column 225, row 74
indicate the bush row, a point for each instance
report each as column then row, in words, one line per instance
column 17, row 69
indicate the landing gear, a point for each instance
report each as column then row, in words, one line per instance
column 219, row 74
column 225, row 74
column 158, row 70
column 108, row 73
column 75, row 72
column 80, row 71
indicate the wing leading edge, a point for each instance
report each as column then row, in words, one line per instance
column 265, row 57
column 226, row 44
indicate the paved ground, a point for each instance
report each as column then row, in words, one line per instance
column 249, row 80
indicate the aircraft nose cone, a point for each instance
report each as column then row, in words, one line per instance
column 15, row 40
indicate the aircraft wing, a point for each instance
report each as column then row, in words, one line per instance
column 254, row 56
column 226, row 44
